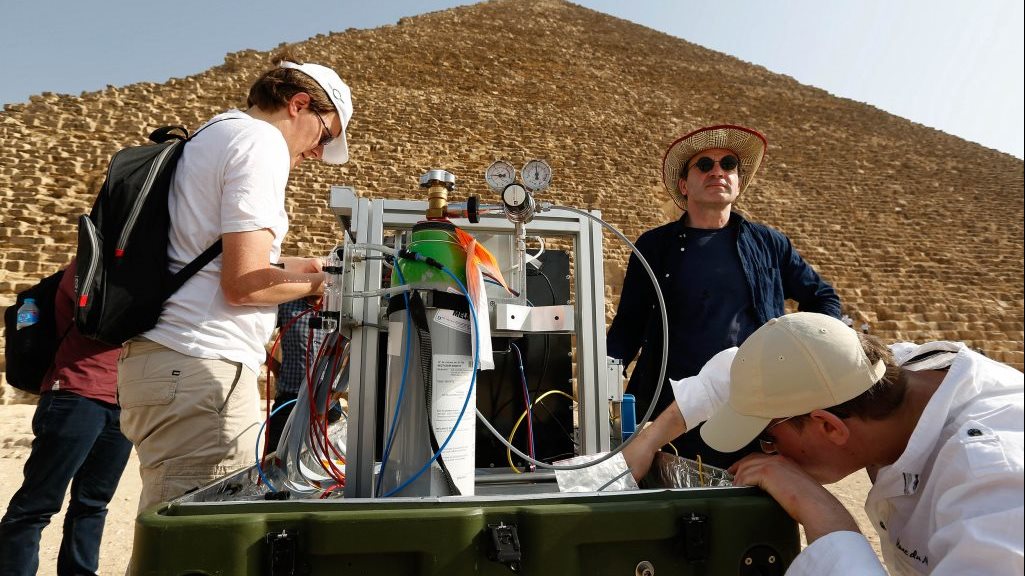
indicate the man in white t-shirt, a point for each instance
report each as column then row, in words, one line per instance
column 938, row 427
column 187, row 388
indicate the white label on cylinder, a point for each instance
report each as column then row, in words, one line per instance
column 396, row 338
column 452, row 375
column 459, row 321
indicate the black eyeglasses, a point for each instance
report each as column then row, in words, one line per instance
column 326, row 137
column 727, row 163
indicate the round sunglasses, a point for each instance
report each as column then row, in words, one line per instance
column 727, row 163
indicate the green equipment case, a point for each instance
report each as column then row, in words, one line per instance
column 647, row 532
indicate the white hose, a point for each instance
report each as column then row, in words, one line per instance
column 545, row 206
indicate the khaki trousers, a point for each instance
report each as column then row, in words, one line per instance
column 192, row 420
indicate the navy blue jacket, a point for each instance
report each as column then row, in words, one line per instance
column 774, row 270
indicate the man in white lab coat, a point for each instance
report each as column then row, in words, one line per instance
column 938, row 427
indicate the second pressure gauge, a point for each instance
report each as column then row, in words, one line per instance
column 536, row 174
column 499, row 175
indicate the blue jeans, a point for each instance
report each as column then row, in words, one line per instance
column 78, row 441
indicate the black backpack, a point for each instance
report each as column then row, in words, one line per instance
column 122, row 278
column 29, row 352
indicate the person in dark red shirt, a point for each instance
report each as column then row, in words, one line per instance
column 78, row 441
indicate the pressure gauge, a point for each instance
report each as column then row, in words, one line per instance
column 519, row 204
column 499, row 175
column 514, row 196
column 537, row 175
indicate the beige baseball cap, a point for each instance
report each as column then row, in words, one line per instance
column 337, row 152
column 790, row 366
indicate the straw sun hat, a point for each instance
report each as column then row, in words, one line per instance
column 749, row 146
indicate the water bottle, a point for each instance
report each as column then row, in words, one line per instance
column 28, row 314
column 628, row 416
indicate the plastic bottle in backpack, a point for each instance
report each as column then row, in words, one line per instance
column 28, row 314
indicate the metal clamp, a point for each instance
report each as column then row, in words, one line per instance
column 695, row 537
column 614, row 379
column 282, row 556
column 505, row 545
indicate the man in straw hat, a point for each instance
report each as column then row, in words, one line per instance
column 187, row 388
column 938, row 427
column 722, row 275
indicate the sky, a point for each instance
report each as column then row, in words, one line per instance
column 955, row 65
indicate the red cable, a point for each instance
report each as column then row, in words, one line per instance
column 273, row 350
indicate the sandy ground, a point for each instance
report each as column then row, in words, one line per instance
column 16, row 441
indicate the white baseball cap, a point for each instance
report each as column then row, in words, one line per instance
column 790, row 366
column 337, row 152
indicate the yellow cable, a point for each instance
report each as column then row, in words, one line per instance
column 508, row 450
column 675, row 451
column 701, row 474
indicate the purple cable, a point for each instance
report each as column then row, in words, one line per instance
column 526, row 400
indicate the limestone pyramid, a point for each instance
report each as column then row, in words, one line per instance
column 920, row 231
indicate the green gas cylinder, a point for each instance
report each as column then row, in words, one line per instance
column 435, row 239
column 429, row 375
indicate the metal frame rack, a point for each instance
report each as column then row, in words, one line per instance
column 369, row 220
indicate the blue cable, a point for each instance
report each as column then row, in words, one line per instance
column 402, row 384
column 259, row 434
column 469, row 393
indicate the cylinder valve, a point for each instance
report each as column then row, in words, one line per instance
column 438, row 184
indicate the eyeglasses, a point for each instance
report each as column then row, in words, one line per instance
column 766, row 441
column 326, row 137
column 727, row 163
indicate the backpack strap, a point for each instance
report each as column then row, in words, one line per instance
column 182, row 276
column 176, row 132
column 209, row 124
column 165, row 133
column 190, row 269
